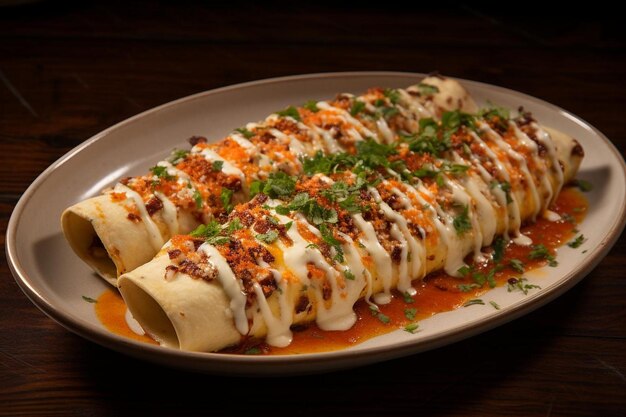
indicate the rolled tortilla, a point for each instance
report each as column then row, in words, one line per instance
column 125, row 227
column 205, row 296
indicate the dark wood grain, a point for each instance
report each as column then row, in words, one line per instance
column 70, row 69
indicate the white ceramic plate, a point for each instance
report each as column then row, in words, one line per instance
column 55, row 279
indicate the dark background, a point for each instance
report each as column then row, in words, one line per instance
column 70, row 69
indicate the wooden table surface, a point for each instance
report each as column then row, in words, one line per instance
column 70, row 69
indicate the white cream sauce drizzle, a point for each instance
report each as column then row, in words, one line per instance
column 521, row 162
column 231, row 286
column 546, row 140
column 381, row 258
column 154, row 234
column 169, row 212
column 278, row 328
column 227, row 168
column 409, row 243
column 133, row 324
column 513, row 209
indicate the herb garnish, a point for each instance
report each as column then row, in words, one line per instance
column 211, row 233
column 577, row 242
column 357, row 107
column 379, row 315
column 311, row 105
column 177, row 156
column 290, row 111
column 269, row 237
column 427, row 89
column 245, row 132
column 540, row 251
column 225, row 196
column 517, row 265
column 411, row 328
column 89, row 299
column 462, row 222
column 410, row 313
column 197, row 197
column 520, row 284
column 161, row 172
column 217, row 165
column 476, row 301
column 279, row 184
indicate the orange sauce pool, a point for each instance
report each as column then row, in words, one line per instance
column 437, row 293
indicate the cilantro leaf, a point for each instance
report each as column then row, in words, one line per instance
column 540, row 251
column 427, row 89
column 269, row 237
column 357, row 107
column 311, row 105
column 462, row 222
column 161, row 172
column 225, row 196
column 577, row 242
column 245, row 132
column 178, row 155
column 197, row 197
column 290, row 111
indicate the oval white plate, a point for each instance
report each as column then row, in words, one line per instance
column 55, row 279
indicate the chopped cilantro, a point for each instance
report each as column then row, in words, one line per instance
column 505, row 187
column 233, row 226
column 290, row 112
column 161, row 172
column 492, row 111
column 577, row 242
column 208, row 230
column 392, row 94
column 517, row 265
column 407, row 298
column 427, row 89
column 225, row 196
column 349, row 275
column 269, row 237
column 464, row 270
column 462, row 223
column 288, row 225
column 476, row 301
column 410, row 313
column 541, row 252
column 312, row 210
column 379, row 315
column 311, row 105
column 495, row 305
column 245, row 132
column 499, row 246
column 217, row 166
column 411, row 328
column 329, row 238
column 89, row 299
column 467, row 287
column 177, row 156
column 211, row 233
column 357, row 107
column 197, row 197
column 520, row 284
column 279, row 184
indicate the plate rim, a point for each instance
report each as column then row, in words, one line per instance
column 334, row 359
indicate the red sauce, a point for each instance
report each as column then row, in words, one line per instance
column 437, row 293
column 111, row 311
